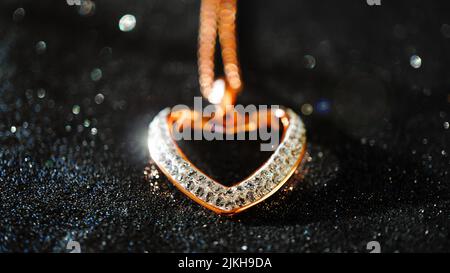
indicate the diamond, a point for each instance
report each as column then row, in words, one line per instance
column 190, row 185
column 249, row 185
column 199, row 192
column 209, row 196
column 229, row 205
column 240, row 201
column 229, row 192
column 215, row 188
column 219, row 201
column 250, row 196
column 266, row 175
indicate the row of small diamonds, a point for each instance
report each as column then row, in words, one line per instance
column 280, row 163
column 164, row 151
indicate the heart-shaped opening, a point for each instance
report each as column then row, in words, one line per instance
column 226, row 159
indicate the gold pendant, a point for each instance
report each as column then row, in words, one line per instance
column 211, row 194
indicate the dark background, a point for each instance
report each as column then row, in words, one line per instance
column 378, row 137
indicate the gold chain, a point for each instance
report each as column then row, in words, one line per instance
column 218, row 16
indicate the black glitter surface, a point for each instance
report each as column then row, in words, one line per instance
column 378, row 136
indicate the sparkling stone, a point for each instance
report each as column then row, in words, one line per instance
column 127, row 23
column 41, row 47
column 202, row 180
column 229, row 205
column 209, row 196
column 19, row 14
column 258, row 182
column 99, row 98
column 250, row 185
column 415, row 61
column 293, row 153
column 199, row 192
column 216, row 188
column 282, row 150
column 184, row 182
column 96, row 74
column 87, row 8
column 190, row 185
column 266, row 175
column 41, row 93
column 267, row 187
column 76, row 109
column 250, row 196
column 240, row 201
column 278, row 161
column 286, row 161
column 229, row 191
column 174, row 171
column 307, row 109
column 219, row 202
column 309, row 62
column 182, row 171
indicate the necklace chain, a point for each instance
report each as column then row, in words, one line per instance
column 218, row 17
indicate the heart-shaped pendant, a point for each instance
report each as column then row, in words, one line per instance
column 264, row 182
column 218, row 17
